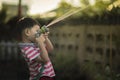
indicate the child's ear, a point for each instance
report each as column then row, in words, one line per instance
column 27, row 32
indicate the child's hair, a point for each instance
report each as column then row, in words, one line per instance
column 24, row 23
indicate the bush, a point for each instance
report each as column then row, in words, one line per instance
column 66, row 67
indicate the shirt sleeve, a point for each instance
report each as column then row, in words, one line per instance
column 31, row 52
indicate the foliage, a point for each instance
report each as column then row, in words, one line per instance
column 107, row 18
column 63, row 8
column 93, row 71
column 3, row 15
column 96, row 14
column 85, row 2
column 66, row 67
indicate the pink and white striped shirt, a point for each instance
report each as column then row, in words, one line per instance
column 30, row 52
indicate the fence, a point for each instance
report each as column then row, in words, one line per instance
column 9, row 50
column 12, row 66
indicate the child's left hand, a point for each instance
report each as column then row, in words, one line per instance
column 46, row 34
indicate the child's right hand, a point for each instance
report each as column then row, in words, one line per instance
column 40, row 38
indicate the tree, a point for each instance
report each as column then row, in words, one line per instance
column 63, row 8
column 84, row 2
column 3, row 15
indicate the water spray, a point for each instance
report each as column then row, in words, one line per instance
column 68, row 14
column 60, row 18
column 44, row 28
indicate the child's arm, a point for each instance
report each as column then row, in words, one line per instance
column 49, row 45
column 44, row 54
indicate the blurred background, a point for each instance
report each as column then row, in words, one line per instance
column 87, row 43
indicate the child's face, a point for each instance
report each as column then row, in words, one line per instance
column 31, row 32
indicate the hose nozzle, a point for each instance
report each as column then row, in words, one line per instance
column 42, row 30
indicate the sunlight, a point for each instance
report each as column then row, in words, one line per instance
column 49, row 14
column 106, row 0
column 115, row 4
column 92, row 2
column 35, row 9
column 42, row 6
column 0, row 6
column 74, row 2
column 110, row 7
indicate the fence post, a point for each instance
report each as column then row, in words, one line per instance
column 9, row 46
column 2, row 49
column 9, row 50
column 15, row 50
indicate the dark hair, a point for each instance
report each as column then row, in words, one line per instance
column 24, row 23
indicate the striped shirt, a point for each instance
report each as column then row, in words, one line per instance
column 30, row 52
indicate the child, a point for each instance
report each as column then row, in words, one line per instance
column 35, row 49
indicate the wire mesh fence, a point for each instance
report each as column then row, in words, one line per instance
column 12, row 64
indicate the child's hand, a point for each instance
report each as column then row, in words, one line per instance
column 46, row 34
column 37, row 34
column 40, row 39
column 44, row 30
